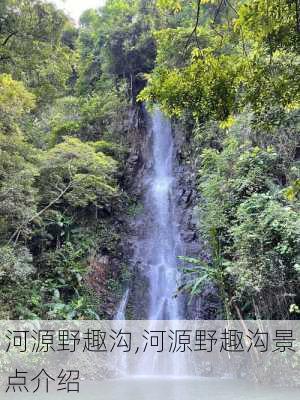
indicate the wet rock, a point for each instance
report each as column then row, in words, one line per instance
column 186, row 200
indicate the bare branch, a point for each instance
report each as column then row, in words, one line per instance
column 297, row 3
column 4, row 43
column 194, row 31
column 16, row 234
column 218, row 10
column 231, row 6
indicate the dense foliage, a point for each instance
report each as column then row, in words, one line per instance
column 228, row 70
column 65, row 94
column 236, row 76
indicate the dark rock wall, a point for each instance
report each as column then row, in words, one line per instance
column 187, row 198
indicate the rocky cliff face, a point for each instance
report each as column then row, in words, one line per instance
column 187, row 198
column 108, row 267
column 132, row 227
column 138, row 165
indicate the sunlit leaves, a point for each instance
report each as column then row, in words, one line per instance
column 272, row 24
column 15, row 100
column 87, row 175
column 174, row 5
column 247, row 60
column 205, row 87
column 31, row 47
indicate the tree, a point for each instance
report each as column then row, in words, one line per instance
column 31, row 46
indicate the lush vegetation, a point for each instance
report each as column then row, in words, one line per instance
column 234, row 78
column 65, row 95
column 227, row 70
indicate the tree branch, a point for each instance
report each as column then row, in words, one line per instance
column 194, row 31
column 16, row 234
column 297, row 2
column 218, row 11
column 4, row 43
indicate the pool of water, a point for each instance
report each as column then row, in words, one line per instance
column 164, row 388
column 153, row 388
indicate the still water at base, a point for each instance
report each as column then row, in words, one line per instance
column 148, row 388
column 169, row 388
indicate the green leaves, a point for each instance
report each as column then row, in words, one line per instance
column 266, row 243
column 174, row 5
column 82, row 175
column 253, row 214
column 252, row 58
column 14, row 98
column 64, row 104
column 206, row 87
column 15, row 263
column 272, row 24
column 31, row 48
column 292, row 192
column 15, row 101
column 116, row 43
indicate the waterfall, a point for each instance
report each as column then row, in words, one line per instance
column 158, row 243
column 164, row 239
column 120, row 314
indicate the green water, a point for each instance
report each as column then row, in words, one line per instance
column 187, row 389
column 155, row 388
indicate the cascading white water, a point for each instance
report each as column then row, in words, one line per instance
column 158, row 241
column 162, row 244
column 157, row 244
column 120, row 314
